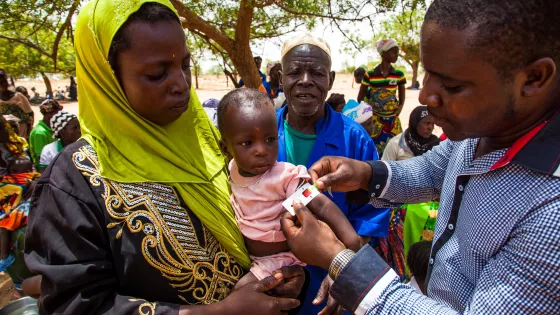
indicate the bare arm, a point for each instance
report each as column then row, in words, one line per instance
column 362, row 93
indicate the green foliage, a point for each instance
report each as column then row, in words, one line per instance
column 405, row 29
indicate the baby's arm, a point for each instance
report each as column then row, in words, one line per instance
column 327, row 211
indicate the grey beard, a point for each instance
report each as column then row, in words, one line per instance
column 305, row 114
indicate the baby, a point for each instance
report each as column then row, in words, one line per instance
column 259, row 184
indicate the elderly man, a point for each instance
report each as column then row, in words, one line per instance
column 493, row 84
column 309, row 130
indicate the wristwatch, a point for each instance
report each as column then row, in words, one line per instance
column 339, row 262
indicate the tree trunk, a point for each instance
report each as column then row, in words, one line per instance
column 242, row 59
column 47, row 84
column 415, row 66
column 195, row 73
column 231, row 77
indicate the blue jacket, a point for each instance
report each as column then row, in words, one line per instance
column 338, row 135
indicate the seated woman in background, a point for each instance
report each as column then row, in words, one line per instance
column 11, row 146
column 66, row 128
column 420, row 218
column 16, row 104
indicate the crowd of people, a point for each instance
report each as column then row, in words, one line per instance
column 152, row 202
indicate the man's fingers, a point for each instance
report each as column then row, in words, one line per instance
column 303, row 214
column 285, row 304
column 291, row 271
column 331, row 308
column 266, row 284
column 322, row 293
column 288, row 225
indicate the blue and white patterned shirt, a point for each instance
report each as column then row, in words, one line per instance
column 496, row 247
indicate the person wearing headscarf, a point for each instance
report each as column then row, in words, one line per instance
column 42, row 134
column 211, row 108
column 360, row 113
column 17, row 104
column 309, row 129
column 11, row 145
column 135, row 217
column 66, row 130
column 420, row 218
column 379, row 89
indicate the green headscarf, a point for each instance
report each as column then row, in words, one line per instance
column 184, row 154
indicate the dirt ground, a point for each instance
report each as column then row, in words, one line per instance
column 211, row 86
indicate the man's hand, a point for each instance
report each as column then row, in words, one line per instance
column 340, row 173
column 293, row 281
column 311, row 240
column 332, row 305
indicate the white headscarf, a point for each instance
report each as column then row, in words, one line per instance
column 385, row 45
column 305, row 39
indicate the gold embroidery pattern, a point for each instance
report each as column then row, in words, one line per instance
column 145, row 308
column 202, row 273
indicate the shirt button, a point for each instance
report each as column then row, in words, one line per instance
column 431, row 261
column 460, row 187
column 373, row 195
column 377, row 186
column 450, row 226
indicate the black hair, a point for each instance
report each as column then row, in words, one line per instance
column 418, row 258
column 257, row 57
column 241, row 98
column 336, row 99
column 509, row 34
column 20, row 165
column 359, row 72
column 150, row 12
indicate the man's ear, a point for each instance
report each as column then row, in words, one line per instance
column 539, row 77
column 331, row 77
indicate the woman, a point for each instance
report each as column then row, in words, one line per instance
column 15, row 103
column 73, row 90
column 11, row 145
column 66, row 129
column 379, row 89
column 420, row 218
column 136, row 217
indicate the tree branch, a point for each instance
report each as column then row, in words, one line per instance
column 244, row 20
column 26, row 43
column 294, row 12
column 66, row 24
column 194, row 22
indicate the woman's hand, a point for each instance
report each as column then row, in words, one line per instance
column 332, row 305
column 311, row 240
column 340, row 173
column 292, row 283
column 252, row 299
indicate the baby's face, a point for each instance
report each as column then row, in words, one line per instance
column 251, row 137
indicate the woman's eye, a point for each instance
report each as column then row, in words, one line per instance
column 156, row 77
column 186, row 67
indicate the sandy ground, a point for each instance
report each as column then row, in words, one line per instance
column 211, row 86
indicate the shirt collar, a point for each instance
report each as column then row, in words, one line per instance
column 538, row 150
column 377, row 71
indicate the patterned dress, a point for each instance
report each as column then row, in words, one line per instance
column 120, row 248
column 382, row 96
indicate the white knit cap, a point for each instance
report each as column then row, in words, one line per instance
column 59, row 121
column 305, row 39
column 385, row 45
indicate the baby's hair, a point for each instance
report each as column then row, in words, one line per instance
column 244, row 97
column 418, row 258
column 336, row 99
column 20, row 165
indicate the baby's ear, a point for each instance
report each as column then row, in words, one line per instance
column 223, row 148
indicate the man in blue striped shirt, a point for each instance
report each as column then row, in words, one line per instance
column 493, row 84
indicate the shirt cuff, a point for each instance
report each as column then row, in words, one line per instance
column 380, row 179
column 361, row 281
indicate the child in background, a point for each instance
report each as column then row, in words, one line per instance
column 337, row 102
column 417, row 260
column 15, row 195
column 361, row 113
column 247, row 123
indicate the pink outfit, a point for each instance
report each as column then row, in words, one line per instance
column 257, row 202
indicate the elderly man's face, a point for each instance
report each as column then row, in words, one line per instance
column 307, row 79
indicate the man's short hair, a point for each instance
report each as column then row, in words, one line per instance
column 509, row 34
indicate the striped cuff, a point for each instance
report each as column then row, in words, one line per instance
column 362, row 280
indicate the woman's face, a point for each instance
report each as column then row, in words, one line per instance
column 425, row 127
column 71, row 132
column 155, row 70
